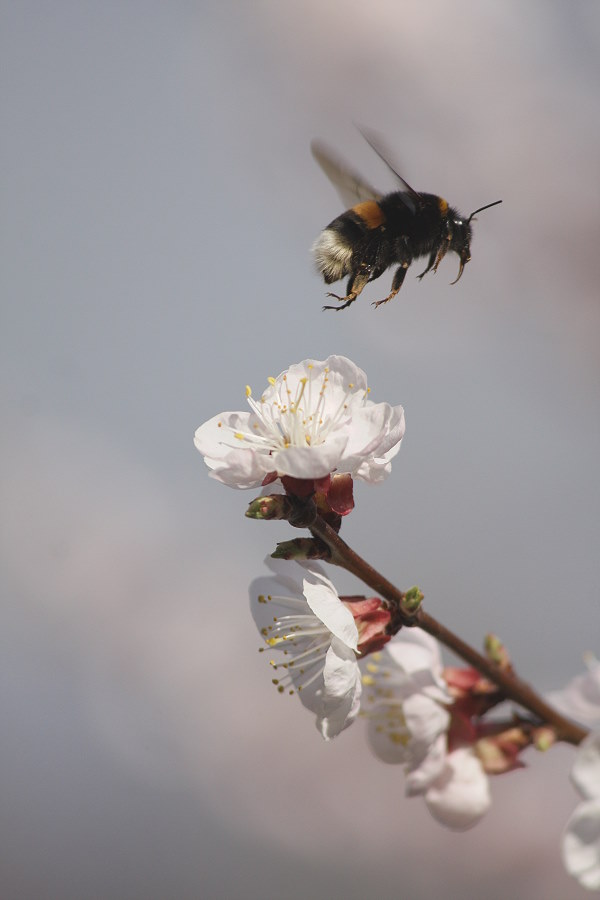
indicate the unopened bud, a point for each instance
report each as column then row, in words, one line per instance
column 496, row 652
column 543, row 737
column 301, row 548
column 273, row 506
column 412, row 601
column 500, row 753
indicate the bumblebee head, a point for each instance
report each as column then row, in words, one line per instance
column 462, row 232
column 460, row 241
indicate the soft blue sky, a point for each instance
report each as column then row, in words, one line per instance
column 159, row 202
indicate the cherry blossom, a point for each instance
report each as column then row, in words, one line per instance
column 305, row 623
column 405, row 702
column 409, row 710
column 580, row 699
column 314, row 419
column 581, row 840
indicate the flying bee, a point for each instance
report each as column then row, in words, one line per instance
column 380, row 230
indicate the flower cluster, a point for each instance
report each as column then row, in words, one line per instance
column 409, row 708
column 313, row 431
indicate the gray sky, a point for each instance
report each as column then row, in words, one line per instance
column 159, row 203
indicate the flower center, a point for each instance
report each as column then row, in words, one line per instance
column 306, row 642
column 301, row 418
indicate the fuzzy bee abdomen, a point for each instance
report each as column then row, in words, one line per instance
column 335, row 247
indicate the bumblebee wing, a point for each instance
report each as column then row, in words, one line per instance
column 351, row 186
column 376, row 143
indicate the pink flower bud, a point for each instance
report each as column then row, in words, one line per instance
column 371, row 619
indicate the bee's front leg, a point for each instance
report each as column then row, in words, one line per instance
column 430, row 263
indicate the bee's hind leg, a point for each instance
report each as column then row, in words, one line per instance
column 396, row 285
column 355, row 285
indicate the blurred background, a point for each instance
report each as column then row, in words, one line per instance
column 159, row 203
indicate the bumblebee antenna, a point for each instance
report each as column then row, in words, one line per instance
column 481, row 208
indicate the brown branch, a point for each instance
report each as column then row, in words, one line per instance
column 511, row 685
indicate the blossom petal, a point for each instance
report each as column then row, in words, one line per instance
column 311, row 462
column 341, row 690
column 230, row 459
column 377, row 469
column 585, row 773
column 414, row 650
column 339, row 369
column 418, row 654
column 375, row 437
column 426, row 766
column 580, row 699
column 425, row 718
column 581, row 845
column 460, row 795
column 377, row 427
column 323, row 600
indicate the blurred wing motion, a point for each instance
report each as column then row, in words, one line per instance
column 351, row 186
column 376, row 143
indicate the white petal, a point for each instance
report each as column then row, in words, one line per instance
column 585, row 773
column 581, row 698
column 343, row 371
column 426, row 766
column 425, row 718
column 376, row 429
column 232, row 461
column 281, row 583
column 341, row 690
column 418, row 653
column 376, row 470
column 369, row 428
column 311, row 462
column 388, row 735
column 327, row 606
column 407, row 732
column 581, row 845
column 414, row 649
column 460, row 795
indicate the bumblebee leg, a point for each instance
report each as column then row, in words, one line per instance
column 441, row 252
column 396, row 285
column 430, row 263
column 355, row 285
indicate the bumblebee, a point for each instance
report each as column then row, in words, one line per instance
column 385, row 230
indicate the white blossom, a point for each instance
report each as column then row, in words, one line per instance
column 314, row 638
column 580, row 699
column 314, row 419
column 460, row 794
column 405, row 700
column 581, row 840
